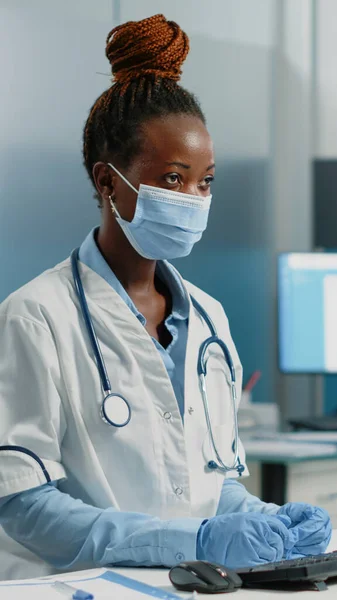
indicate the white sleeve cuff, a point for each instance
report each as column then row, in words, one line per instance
column 21, row 469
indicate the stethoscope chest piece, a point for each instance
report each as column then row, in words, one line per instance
column 115, row 410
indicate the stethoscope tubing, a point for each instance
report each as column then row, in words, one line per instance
column 88, row 322
column 201, row 368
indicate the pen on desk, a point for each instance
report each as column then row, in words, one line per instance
column 252, row 381
column 71, row 592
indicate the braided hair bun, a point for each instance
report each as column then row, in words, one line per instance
column 153, row 46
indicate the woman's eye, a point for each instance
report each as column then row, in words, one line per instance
column 172, row 178
column 206, row 183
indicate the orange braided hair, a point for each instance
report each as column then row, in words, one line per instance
column 153, row 46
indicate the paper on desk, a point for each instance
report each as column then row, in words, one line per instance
column 287, row 448
column 105, row 586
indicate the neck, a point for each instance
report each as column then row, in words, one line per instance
column 136, row 274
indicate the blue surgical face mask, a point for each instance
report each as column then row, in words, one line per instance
column 166, row 224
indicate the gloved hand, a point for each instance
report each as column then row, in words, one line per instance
column 245, row 539
column 311, row 527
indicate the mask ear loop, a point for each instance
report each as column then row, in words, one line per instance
column 122, row 177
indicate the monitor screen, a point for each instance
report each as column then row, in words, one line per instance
column 307, row 293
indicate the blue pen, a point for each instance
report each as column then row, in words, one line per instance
column 71, row 592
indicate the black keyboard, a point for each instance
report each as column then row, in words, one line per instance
column 309, row 568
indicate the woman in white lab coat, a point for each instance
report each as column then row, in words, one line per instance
column 75, row 489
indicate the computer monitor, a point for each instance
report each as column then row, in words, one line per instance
column 307, row 315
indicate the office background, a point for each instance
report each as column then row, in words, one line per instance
column 265, row 73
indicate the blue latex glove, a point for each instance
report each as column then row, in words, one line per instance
column 311, row 527
column 245, row 539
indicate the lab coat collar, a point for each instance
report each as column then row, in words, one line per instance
column 91, row 256
column 99, row 291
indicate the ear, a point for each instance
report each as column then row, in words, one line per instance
column 104, row 178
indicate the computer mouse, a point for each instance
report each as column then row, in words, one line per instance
column 205, row 577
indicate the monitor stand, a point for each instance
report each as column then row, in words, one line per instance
column 318, row 421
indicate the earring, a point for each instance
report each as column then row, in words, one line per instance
column 111, row 199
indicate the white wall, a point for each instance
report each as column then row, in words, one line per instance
column 49, row 59
column 326, row 79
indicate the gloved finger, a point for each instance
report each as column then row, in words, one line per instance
column 314, row 536
column 315, row 527
column 312, row 526
column 297, row 511
column 285, row 520
column 241, row 552
column 310, row 518
column 281, row 525
column 292, row 554
column 255, row 547
column 316, row 543
column 274, row 548
column 310, row 549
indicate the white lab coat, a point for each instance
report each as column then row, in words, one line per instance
column 50, row 399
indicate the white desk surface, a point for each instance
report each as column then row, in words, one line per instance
column 159, row 578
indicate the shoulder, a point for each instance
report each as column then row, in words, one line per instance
column 33, row 300
column 202, row 296
column 216, row 311
column 213, row 306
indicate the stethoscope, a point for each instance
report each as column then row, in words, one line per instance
column 115, row 409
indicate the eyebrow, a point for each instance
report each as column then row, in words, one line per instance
column 178, row 164
column 184, row 166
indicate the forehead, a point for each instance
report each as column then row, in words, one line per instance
column 180, row 138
